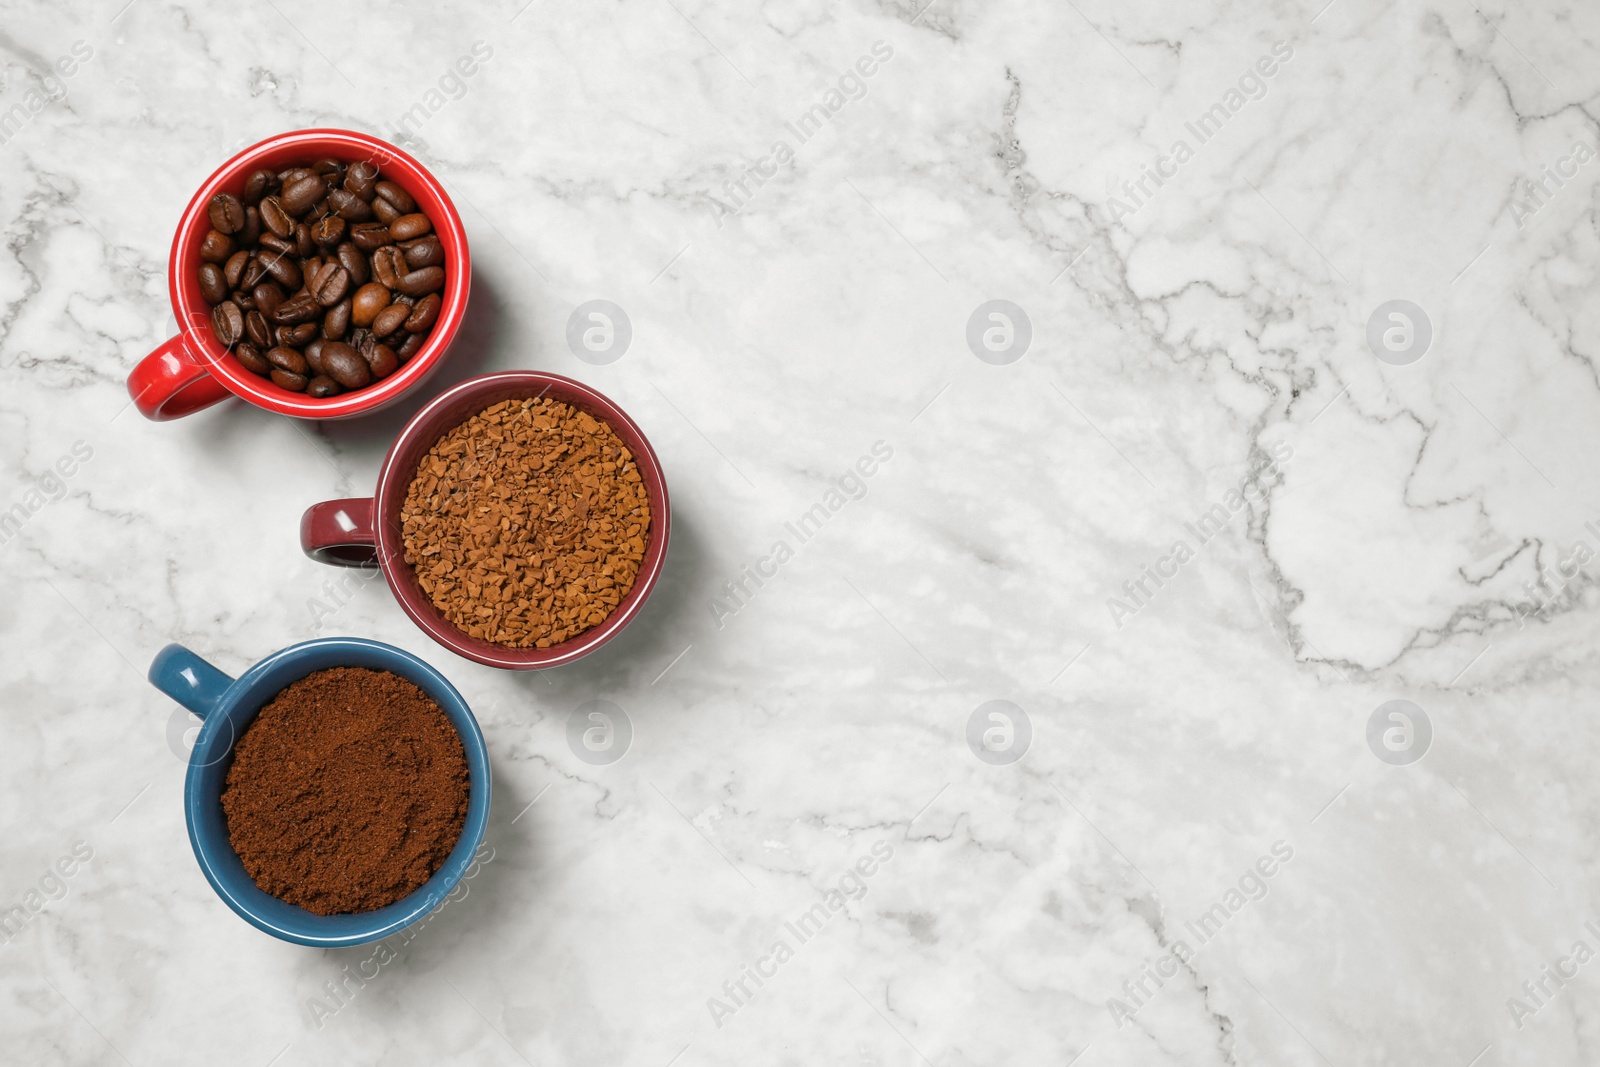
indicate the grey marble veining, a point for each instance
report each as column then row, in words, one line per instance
column 1196, row 536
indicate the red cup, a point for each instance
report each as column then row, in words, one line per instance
column 356, row 532
column 192, row 371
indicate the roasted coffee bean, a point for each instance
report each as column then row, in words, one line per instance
column 214, row 282
column 273, row 243
column 349, row 205
column 227, row 214
column 299, row 195
column 382, row 360
column 252, row 359
column 283, row 268
column 328, row 231
column 424, row 252
column 254, row 271
column 356, row 263
column 369, row 300
column 250, row 232
column 390, row 319
column 425, row 314
column 275, row 218
column 362, row 179
column 336, row 323
column 234, row 270
column 260, row 182
column 256, row 329
column 330, row 284
column 412, row 345
column 216, row 247
column 297, row 336
column 345, row 365
column 301, row 307
column 287, row 359
column 410, row 227
column 388, row 265
column 420, row 282
column 322, row 387
column 397, row 197
column 295, row 383
column 369, row 236
column 227, row 323
column 306, row 277
column 267, row 297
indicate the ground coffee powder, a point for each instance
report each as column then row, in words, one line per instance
column 347, row 791
column 527, row 523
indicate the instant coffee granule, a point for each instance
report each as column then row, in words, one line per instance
column 527, row 523
column 347, row 791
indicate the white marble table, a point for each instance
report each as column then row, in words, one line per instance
column 1198, row 859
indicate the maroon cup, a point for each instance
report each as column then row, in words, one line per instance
column 358, row 531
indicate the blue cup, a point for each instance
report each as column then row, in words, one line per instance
column 226, row 706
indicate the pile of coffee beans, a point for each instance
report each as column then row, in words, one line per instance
column 324, row 278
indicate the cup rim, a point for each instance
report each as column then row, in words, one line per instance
column 393, row 483
column 391, row 917
column 193, row 315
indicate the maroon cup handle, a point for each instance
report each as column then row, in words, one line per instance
column 340, row 532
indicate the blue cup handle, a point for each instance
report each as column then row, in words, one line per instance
column 188, row 679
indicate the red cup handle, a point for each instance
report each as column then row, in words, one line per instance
column 170, row 383
column 340, row 532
